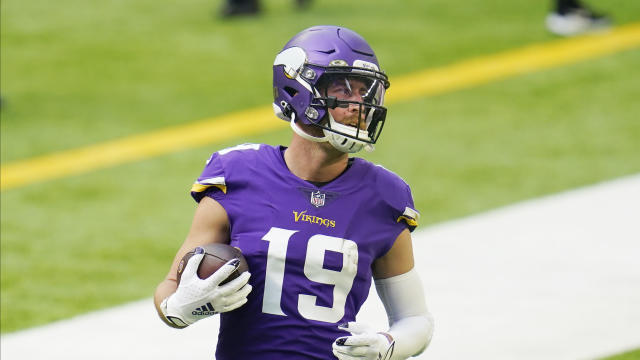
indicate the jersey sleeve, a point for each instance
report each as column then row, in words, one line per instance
column 229, row 168
column 212, row 179
column 408, row 215
column 397, row 196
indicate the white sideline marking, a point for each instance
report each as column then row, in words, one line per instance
column 552, row 278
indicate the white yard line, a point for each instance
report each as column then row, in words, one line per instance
column 553, row 278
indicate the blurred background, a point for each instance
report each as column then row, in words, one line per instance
column 77, row 73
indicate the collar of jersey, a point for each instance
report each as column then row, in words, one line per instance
column 334, row 184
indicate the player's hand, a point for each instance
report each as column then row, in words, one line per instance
column 364, row 343
column 196, row 298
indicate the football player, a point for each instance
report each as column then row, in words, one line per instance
column 315, row 225
column 572, row 17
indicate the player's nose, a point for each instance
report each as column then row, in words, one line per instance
column 353, row 107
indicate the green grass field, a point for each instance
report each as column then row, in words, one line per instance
column 631, row 355
column 74, row 73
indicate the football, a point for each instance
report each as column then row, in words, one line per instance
column 216, row 255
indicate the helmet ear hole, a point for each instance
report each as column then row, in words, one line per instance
column 290, row 91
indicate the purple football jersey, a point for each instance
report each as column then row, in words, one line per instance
column 309, row 249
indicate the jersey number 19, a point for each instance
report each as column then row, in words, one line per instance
column 314, row 271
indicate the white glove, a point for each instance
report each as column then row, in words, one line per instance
column 196, row 298
column 365, row 343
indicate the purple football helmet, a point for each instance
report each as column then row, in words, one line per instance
column 311, row 61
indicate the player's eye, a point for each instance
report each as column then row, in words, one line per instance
column 340, row 90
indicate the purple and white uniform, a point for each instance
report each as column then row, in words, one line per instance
column 309, row 249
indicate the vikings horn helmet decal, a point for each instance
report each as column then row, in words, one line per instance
column 310, row 62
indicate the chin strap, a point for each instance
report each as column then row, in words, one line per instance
column 351, row 145
column 303, row 133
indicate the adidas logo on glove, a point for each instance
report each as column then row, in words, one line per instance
column 204, row 310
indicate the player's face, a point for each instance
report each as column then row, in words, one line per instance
column 348, row 90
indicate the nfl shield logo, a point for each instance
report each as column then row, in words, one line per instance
column 317, row 198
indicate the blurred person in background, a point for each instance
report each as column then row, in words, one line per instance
column 572, row 17
column 233, row 8
column 316, row 226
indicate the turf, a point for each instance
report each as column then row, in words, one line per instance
column 631, row 355
column 71, row 78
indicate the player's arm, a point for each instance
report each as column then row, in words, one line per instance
column 401, row 292
column 400, row 289
column 210, row 225
column 398, row 260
